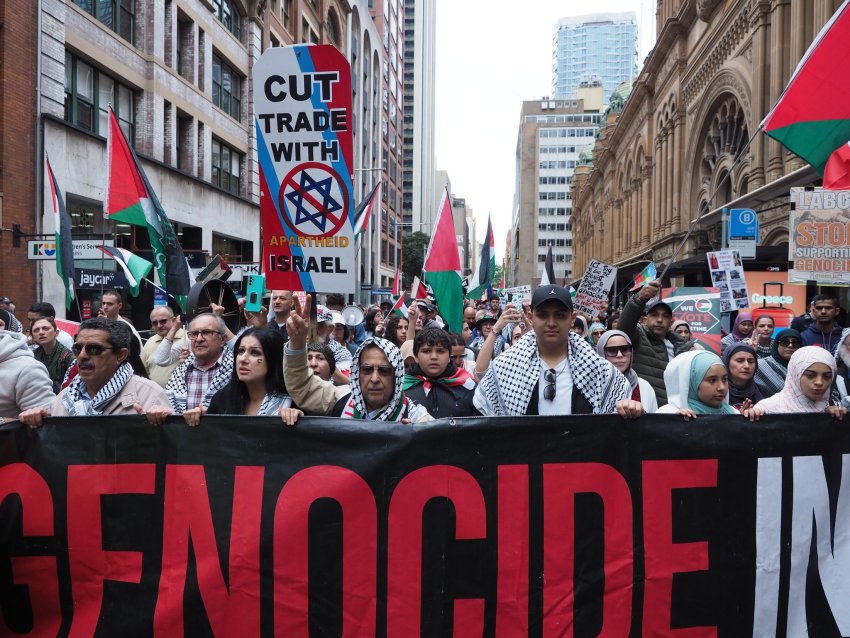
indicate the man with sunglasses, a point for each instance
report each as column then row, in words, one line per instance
column 165, row 327
column 551, row 370
column 377, row 379
column 105, row 383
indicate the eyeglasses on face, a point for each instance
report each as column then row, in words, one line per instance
column 613, row 351
column 790, row 343
column 367, row 369
column 159, row 322
column 550, row 376
column 92, row 349
column 206, row 334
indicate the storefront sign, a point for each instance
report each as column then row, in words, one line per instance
column 83, row 249
column 91, row 279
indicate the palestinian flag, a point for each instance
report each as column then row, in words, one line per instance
column 812, row 116
column 442, row 267
column 547, row 278
column 135, row 268
column 486, row 266
column 644, row 276
column 397, row 283
column 399, row 307
column 131, row 199
column 364, row 209
column 418, row 290
column 64, row 243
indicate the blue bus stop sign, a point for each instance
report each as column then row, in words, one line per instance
column 743, row 224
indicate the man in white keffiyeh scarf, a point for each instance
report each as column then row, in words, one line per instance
column 105, row 383
column 553, row 371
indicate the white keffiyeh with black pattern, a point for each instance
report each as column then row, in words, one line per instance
column 76, row 405
column 509, row 383
column 395, row 409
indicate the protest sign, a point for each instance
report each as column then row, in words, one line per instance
column 700, row 308
column 819, row 236
column 592, row 295
column 727, row 274
column 302, row 97
column 515, row 295
column 111, row 527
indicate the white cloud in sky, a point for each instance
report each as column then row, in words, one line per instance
column 492, row 56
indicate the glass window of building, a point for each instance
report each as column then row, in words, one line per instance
column 227, row 14
column 225, row 167
column 227, row 88
column 118, row 15
column 88, row 94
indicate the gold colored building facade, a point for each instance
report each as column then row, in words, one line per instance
column 664, row 154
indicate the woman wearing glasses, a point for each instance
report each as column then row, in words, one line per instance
column 616, row 347
column 770, row 376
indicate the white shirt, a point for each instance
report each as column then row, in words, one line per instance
column 563, row 401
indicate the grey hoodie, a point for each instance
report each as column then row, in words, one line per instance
column 24, row 382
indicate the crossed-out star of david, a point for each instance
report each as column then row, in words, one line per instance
column 323, row 209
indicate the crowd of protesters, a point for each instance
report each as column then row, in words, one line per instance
column 538, row 357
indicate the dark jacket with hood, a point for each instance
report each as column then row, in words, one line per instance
column 650, row 357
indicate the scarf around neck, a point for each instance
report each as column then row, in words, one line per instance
column 738, row 394
column 452, row 377
column 355, row 408
column 510, row 380
column 76, row 405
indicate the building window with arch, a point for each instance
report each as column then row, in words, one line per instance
column 333, row 28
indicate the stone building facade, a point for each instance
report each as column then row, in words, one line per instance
column 682, row 145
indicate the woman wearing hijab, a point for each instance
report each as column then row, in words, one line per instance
column 811, row 371
column 770, row 375
column 596, row 331
column 696, row 383
column 616, row 347
column 741, row 329
column 842, row 362
column 741, row 362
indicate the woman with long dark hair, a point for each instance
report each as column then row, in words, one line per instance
column 256, row 386
column 395, row 329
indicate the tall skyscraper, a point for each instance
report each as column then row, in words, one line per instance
column 597, row 46
column 418, row 205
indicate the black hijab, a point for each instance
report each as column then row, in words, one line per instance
column 738, row 394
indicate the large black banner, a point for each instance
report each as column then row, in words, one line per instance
column 579, row 526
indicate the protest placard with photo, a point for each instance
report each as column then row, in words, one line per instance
column 727, row 275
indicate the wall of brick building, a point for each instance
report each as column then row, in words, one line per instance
column 17, row 147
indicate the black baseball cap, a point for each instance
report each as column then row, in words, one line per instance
column 552, row 292
column 655, row 304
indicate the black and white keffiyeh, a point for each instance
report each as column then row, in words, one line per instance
column 356, row 406
column 341, row 353
column 176, row 386
column 77, row 406
column 509, row 382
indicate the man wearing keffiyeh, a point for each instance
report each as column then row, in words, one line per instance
column 553, row 371
column 105, row 383
column 377, row 378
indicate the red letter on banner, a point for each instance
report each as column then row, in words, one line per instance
column 663, row 557
column 90, row 564
column 187, row 515
column 404, row 577
column 513, row 526
column 561, row 483
column 359, row 550
column 38, row 573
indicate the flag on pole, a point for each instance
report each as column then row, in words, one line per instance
column 131, row 199
column 135, row 268
column 645, row 275
column 442, row 267
column 812, row 116
column 547, row 278
column 64, row 243
column 486, row 266
column 399, row 307
column 397, row 283
column 364, row 209
column 418, row 290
